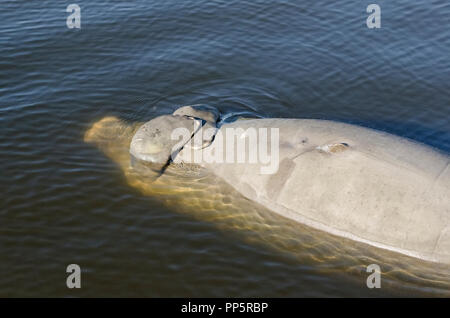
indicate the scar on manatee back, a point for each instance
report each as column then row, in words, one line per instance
column 333, row 148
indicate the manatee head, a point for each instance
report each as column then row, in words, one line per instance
column 158, row 141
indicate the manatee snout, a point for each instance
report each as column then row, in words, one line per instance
column 158, row 141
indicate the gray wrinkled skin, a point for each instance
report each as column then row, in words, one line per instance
column 152, row 142
column 346, row 180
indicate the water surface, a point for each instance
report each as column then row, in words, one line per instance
column 64, row 201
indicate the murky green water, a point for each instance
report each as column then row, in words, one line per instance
column 66, row 201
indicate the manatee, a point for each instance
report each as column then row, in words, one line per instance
column 352, row 182
column 347, row 180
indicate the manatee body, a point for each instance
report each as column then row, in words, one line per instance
column 347, row 180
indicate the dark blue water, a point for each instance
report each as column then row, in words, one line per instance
column 63, row 202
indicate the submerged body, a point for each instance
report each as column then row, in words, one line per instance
column 350, row 181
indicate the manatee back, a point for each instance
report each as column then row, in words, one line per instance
column 354, row 182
